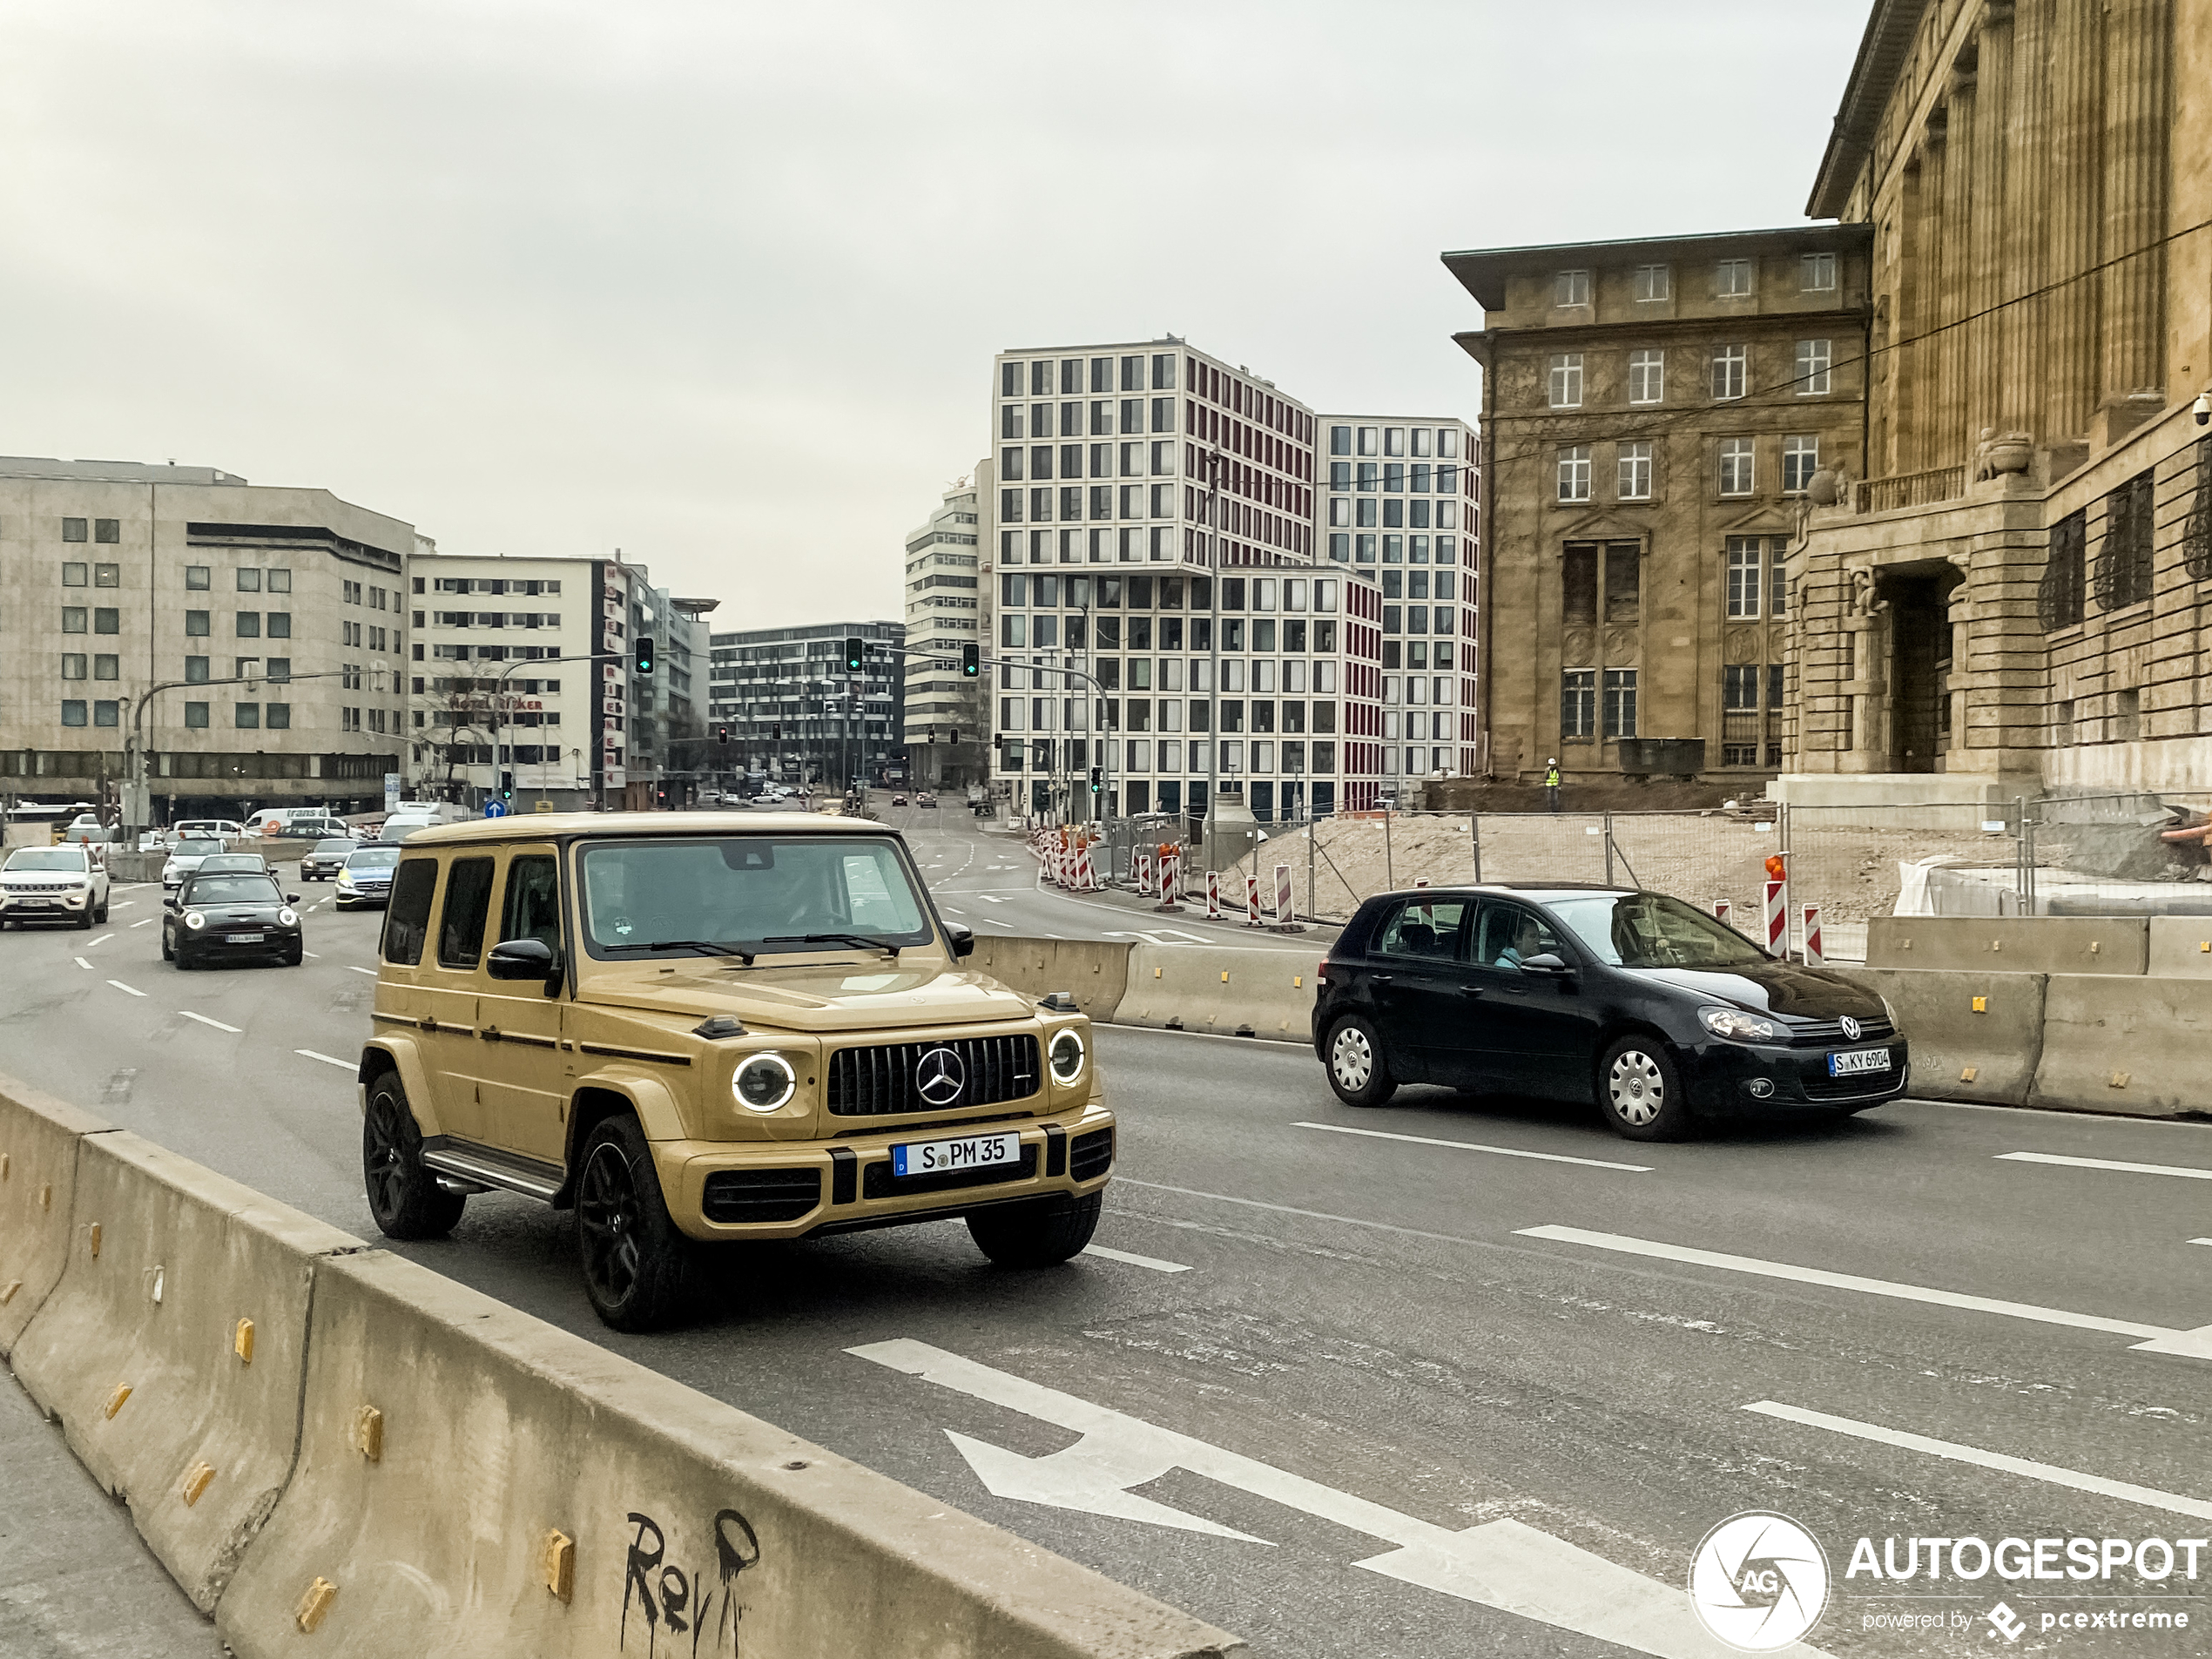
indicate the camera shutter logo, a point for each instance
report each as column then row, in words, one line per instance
column 1759, row 1582
column 1851, row 1027
column 939, row 1078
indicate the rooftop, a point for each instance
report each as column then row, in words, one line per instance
column 1483, row 271
column 113, row 472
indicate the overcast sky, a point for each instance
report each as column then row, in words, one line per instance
column 719, row 283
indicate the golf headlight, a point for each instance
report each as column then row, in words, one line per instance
column 1888, row 1009
column 1737, row 1026
column 764, row 1082
column 1067, row 1057
column 289, row 918
column 194, row 921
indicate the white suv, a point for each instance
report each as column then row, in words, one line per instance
column 53, row 884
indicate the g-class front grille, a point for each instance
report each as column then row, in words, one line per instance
column 901, row 1077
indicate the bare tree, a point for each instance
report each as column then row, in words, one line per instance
column 460, row 720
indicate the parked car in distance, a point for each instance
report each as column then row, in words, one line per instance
column 232, row 864
column 898, row 800
column 231, row 915
column 313, row 829
column 1647, row 1006
column 221, row 828
column 184, row 856
column 925, row 800
column 366, row 877
column 68, row 883
column 322, row 862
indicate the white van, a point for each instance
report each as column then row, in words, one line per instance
column 285, row 816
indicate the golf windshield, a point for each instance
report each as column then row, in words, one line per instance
column 749, row 895
column 1650, row 930
column 47, row 858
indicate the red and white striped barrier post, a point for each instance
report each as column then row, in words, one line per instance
column 1143, row 860
column 1778, row 917
column 1170, row 878
column 1084, row 879
column 1721, row 907
column 1251, row 900
column 1812, row 935
column 1283, row 908
column 1213, row 895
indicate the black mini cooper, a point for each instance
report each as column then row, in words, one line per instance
column 1651, row 1006
column 229, row 916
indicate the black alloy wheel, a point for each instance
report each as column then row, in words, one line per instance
column 1042, row 1232
column 168, row 945
column 404, row 1196
column 634, row 1257
column 1355, row 1064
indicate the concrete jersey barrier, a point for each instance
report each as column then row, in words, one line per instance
column 1222, row 990
column 1975, row 1036
column 2181, row 947
column 1094, row 970
column 38, row 1137
column 2011, row 944
column 173, row 1348
column 2133, row 1046
column 473, row 1480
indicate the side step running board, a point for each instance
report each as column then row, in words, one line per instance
column 483, row 1167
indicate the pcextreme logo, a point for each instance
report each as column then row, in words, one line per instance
column 1759, row 1582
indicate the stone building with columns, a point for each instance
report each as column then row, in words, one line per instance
column 2014, row 598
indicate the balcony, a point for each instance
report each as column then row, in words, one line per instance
column 1909, row 490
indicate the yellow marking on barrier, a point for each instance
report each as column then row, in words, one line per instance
column 368, row 1433
column 1155, row 973
column 1981, row 1005
column 47, row 1197
column 196, row 1480
column 1906, row 945
column 315, row 1604
column 2093, row 945
column 242, row 1344
column 1297, row 981
column 7, row 1292
column 2119, row 1080
column 4, row 1166
column 1967, row 1075
column 560, row 1564
column 93, row 1233
column 1224, row 976
column 2204, row 945
column 158, row 1275
column 115, row 1401
column 1997, row 944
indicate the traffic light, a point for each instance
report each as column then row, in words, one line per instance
column 955, row 736
column 507, row 786
column 776, row 733
column 971, row 664
column 644, row 656
column 722, row 734
column 855, row 654
column 1097, row 779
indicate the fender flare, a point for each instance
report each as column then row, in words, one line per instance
column 650, row 1097
column 405, row 1057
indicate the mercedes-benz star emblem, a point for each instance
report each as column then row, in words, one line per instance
column 939, row 1078
column 1851, row 1027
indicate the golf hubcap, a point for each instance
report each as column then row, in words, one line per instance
column 607, row 1217
column 1352, row 1058
column 1638, row 1090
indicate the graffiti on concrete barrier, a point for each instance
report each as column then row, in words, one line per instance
column 698, row 1614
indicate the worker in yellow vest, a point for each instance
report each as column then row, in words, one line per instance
column 1551, row 783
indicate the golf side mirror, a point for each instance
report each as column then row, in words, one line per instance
column 1547, row 963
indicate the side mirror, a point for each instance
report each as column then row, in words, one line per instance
column 963, row 938
column 521, row 959
column 1546, row 964
column 291, row 898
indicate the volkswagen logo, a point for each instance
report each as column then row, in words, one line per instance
column 939, row 1078
column 1851, row 1027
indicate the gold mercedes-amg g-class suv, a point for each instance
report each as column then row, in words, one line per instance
column 693, row 1027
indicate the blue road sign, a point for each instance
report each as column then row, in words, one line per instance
column 495, row 809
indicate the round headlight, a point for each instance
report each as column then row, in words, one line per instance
column 764, row 1082
column 1067, row 1057
column 289, row 918
column 194, row 919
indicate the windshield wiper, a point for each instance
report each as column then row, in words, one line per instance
column 705, row 947
column 858, row 941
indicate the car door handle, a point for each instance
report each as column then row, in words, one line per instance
column 1471, row 990
column 1380, row 978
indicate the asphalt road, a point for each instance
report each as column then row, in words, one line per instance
column 1365, row 1350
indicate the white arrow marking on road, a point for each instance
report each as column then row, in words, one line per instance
column 2107, row 1163
column 1152, row 1261
column 2150, row 1497
column 1476, row 1146
column 327, row 1060
column 120, row 986
column 102, row 939
column 1501, row 1564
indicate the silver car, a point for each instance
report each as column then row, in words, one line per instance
column 184, row 859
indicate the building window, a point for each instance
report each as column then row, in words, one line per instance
column 1812, row 367
column 249, row 581
column 249, row 625
column 1634, row 483
column 280, row 582
column 1575, row 472
column 1571, row 289
column 2060, row 596
column 1647, row 376
column 73, row 529
column 1800, row 460
column 1740, row 687
column 1652, row 282
column 245, row 716
column 1578, row 702
column 1738, row 469
column 107, row 666
column 1619, row 703
column 2124, row 558
column 106, row 619
column 1816, row 273
column 1339, row 439
column 1729, row 365
column 107, row 712
column 1778, row 582
column 73, row 664
column 196, row 623
column 107, row 575
column 74, row 619
column 197, row 577
column 74, row 575
column 195, row 670
column 1732, row 279
column 279, row 717
column 73, row 707
column 196, row 716
column 107, row 530
column 1566, row 380
column 1624, row 581
column 1746, row 559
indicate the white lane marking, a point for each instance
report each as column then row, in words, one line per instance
column 1061, row 936
column 120, row 986
column 951, row 912
column 985, row 897
column 81, row 962
column 2201, row 1241
column 350, row 969
column 121, row 904
column 102, row 939
column 1286, row 1209
column 1503, row 1564
column 316, row 954
column 309, row 1054
column 1122, row 1255
column 203, row 1020
column 2107, row 1164
column 148, row 922
column 2150, row 1497
column 1476, row 1146
column 2161, row 1338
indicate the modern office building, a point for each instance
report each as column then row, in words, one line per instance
column 947, row 733
column 791, row 711
column 1128, row 475
column 1400, row 510
column 251, row 638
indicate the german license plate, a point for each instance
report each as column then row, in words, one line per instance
column 1858, row 1060
column 247, row 938
column 948, row 1157
column 34, row 904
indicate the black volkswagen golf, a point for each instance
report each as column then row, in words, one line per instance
column 1655, row 1010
